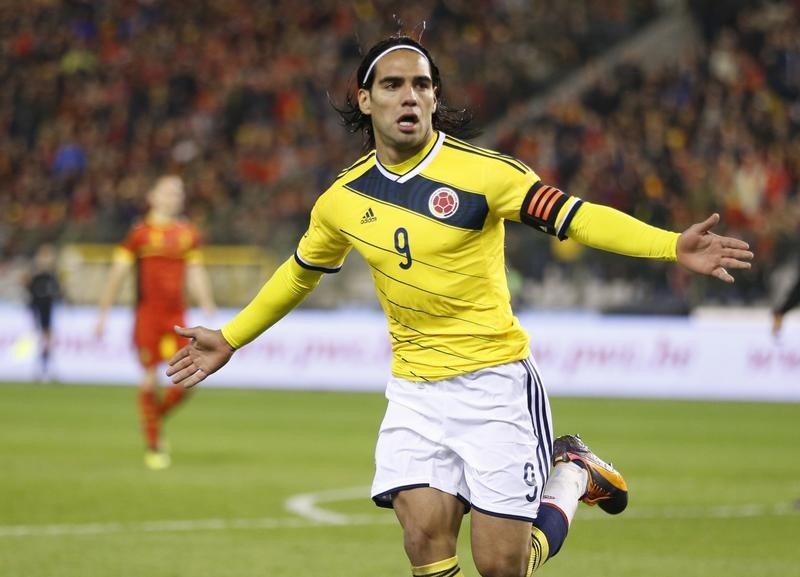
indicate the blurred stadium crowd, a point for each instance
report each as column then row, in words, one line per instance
column 99, row 97
column 718, row 132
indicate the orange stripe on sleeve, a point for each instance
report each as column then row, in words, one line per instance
column 551, row 191
column 536, row 198
column 558, row 194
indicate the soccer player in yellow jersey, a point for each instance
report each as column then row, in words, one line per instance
column 467, row 425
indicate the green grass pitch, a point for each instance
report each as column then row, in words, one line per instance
column 714, row 488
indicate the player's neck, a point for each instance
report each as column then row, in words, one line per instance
column 155, row 217
column 394, row 158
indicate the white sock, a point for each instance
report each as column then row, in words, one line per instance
column 564, row 488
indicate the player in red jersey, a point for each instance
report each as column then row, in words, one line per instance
column 165, row 250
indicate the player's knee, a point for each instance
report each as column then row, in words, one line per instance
column 427, row 542
column 149, row 382
column 501, row 564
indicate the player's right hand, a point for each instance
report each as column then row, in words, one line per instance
column 206, row 353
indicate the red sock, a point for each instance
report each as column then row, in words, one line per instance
column 149, row 415
column 173, row 397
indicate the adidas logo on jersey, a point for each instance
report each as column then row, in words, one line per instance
column 368, row 217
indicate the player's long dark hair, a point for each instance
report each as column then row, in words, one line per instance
column 453, row 122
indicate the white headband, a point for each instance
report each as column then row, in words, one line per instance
column 385, row 52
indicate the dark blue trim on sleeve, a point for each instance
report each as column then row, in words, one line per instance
column 562, row 231
column 305, row 265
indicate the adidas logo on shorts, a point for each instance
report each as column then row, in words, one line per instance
column 368, row 217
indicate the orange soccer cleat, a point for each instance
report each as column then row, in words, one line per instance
column 606, row 487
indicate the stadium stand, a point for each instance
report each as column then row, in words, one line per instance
column 235, row 95
column 716, row 131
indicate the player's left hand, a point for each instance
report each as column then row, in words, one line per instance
column 704, row 252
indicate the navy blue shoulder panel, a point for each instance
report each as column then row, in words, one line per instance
column 451, row 206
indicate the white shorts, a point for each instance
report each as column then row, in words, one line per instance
column 485, row 437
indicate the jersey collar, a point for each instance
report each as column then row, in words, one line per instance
column 410, row 168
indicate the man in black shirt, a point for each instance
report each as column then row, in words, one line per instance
column 44, row 291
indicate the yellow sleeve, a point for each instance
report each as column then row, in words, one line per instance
column 285, row 289
column 606, row 228
column 323, row 247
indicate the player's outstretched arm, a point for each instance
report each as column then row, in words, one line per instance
column 209, row 350
column 206, row 353
column 697, row 248
column 704, row 252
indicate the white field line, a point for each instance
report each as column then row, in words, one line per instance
column 305, row 505
column 309, row 513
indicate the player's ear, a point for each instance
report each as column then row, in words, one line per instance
column 364, row 101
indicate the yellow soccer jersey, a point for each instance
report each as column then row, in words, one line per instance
column 432, row 233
